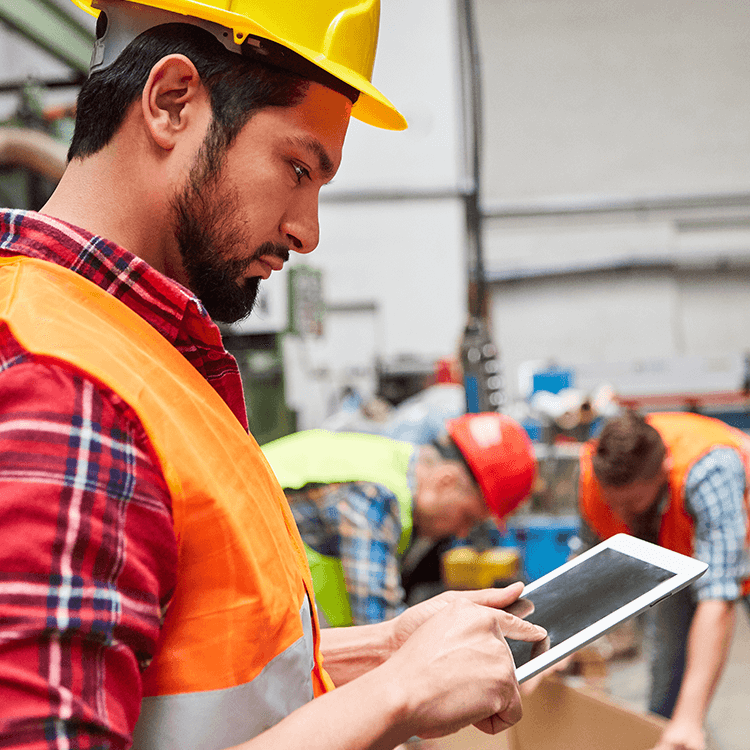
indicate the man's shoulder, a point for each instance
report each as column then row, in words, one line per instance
column 722, row 458
column 711, row 477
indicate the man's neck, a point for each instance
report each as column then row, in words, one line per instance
column 116, row 203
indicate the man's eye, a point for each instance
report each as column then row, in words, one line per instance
column 300, row 172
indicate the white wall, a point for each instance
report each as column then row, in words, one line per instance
column 407, row 256
column 642, row 106
column 603, row 97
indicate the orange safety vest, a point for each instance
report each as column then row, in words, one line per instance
column 239, row 647
column 688, row 437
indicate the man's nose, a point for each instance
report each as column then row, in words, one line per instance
column 300, row 224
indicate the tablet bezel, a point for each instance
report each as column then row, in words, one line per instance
column 685, row 569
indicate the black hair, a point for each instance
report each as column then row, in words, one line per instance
column 238, row 87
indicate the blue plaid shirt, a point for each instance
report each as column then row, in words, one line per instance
column 360, row 523
column 714, row 496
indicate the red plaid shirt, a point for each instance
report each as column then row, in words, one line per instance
column 88, row 554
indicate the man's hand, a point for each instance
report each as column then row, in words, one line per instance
column 456, row 669
column 440, row 666
column 501, row 599
column 352, row 652
column 682, row 736
column 454, row 664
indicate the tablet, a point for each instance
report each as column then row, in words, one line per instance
column 592, row 593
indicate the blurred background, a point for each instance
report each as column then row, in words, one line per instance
column 563, row 230
column 575, row 182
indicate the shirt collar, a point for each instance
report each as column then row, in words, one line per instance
column 167, row 305
column 173, row 310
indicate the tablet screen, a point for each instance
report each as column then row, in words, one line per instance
column 581, row 596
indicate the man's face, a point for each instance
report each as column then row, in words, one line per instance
column 241, row 212
column 630, row 502
column 454, row 507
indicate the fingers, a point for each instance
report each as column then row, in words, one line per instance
column 497, row 598
column 518, row 629
column 509, row 608
column 520, row 608
column 499, row 722
column 512, row 626
column 467, row 674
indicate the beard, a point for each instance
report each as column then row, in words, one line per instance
column 212, row 242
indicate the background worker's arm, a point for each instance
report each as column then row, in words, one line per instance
column 453, row 670
column 714, row 495
column 708, row 645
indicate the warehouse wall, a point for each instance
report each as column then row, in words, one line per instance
column 604, row 97
column 617, row 139
column 641, row 315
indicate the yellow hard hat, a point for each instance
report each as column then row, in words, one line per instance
column 338, row 36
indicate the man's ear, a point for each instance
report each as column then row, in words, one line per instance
column 172, row 99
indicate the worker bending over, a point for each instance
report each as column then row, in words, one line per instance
column 361, row 500
column 154, row 590
column 679, row 480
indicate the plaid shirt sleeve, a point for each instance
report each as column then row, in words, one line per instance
column 87, row 558
column 714, row 495
column 360, row 523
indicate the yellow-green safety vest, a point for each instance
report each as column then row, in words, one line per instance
column 323, row 457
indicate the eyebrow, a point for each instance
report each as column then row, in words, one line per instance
column 314, row 146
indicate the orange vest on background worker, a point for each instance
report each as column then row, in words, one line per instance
column 688, row 437
column 239, row 647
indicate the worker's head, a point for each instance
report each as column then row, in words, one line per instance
column 448, row 501
column 243, row 114
column 631, row 464
column 486, row 467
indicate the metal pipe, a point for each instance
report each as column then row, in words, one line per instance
column 472, row 88
column 600, row 205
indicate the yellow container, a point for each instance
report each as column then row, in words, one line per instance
column 465, row 568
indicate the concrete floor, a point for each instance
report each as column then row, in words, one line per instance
column 729, row 717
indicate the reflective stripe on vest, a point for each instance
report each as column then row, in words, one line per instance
column 323, row 457
column 242, row 570
column 219, row 719
column 688, row 438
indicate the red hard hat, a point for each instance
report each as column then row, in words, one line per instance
column 500, row 455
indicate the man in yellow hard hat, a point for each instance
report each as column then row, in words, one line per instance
column 367, row 505
column 153, row 589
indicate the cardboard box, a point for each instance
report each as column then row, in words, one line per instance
column 557, row 716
